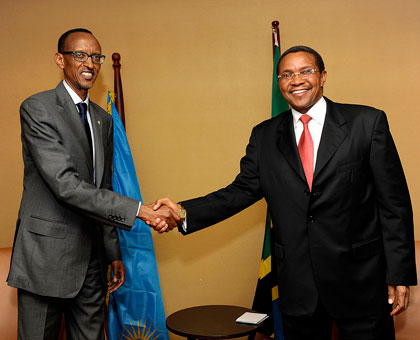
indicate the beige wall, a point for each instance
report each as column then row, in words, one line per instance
column 197, row 78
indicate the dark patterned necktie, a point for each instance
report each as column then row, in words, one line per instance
column 83, row 115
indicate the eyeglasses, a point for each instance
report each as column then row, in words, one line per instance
column 83, row 56
column 305, row 74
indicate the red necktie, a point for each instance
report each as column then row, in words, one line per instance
column 306, row 150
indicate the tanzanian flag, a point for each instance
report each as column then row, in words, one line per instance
column 266, row 294
column 135, row 309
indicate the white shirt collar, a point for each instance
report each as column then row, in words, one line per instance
column 317, row 112
column 74, row 96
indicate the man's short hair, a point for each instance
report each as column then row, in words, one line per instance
column 300, row 48
column 63, row 38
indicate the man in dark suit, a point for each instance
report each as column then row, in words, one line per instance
column 65, row 234
column 343, row 242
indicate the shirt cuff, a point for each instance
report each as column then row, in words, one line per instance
column 184, row 224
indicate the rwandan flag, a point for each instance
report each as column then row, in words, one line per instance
column 135, row 309
column 267, row 293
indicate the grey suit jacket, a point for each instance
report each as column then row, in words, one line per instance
column 61, row 210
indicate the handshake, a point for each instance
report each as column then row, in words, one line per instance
column 163, row 215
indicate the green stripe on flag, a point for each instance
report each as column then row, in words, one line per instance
column 278, row 103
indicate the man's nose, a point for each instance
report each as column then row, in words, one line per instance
column 296, row 79
column 89, row 62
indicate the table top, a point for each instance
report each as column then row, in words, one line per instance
column 210, row 322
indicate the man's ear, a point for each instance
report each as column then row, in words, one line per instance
column 323, row 78
column 59, row 60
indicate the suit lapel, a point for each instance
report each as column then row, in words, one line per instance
column 68, row 112
column 287, row 144
column 333, row 134
column 99, row 148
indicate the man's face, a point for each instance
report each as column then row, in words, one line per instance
column 301, row 94
column 79, row 75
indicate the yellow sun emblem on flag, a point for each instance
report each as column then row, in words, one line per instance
column 136, row 334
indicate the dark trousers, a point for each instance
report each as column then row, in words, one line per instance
column 40, row 317
column 319, row 326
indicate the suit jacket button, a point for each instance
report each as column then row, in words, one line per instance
column 306, row 192
column 311, row 219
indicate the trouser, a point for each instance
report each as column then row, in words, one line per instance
column 318, row 326
column 40, row 317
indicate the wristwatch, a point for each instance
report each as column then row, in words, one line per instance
column 182, row 211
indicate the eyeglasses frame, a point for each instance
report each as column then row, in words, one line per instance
column 312, row 71
column 88, row 56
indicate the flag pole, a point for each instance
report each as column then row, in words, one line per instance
column 119, row 98
column 276, row 35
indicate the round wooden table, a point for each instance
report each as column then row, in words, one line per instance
column 210, row 322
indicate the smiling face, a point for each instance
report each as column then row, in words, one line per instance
column 301, row 94
column 80, row 76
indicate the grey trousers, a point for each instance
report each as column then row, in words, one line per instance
column 40, row 317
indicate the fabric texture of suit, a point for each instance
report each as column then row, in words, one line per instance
column 63, row 210
column 346, row 240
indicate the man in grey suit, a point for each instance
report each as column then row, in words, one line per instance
column 65, row 233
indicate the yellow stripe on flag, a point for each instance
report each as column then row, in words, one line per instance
column 274, row 293
column 112, row 100
column 265, row 267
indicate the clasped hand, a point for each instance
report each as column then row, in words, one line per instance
column 162, row 216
